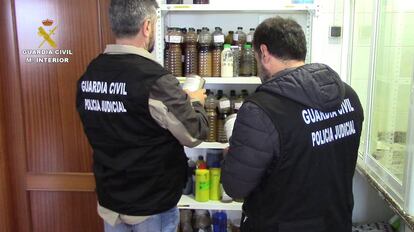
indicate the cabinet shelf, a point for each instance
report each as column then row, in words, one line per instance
column 188, row 202
column 229, row 80
column 270, row 7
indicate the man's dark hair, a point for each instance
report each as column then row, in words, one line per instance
column 284, row 38
column 126, row 16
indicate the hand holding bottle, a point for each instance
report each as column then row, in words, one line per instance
column 199, row 95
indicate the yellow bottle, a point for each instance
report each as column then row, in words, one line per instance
column 202, row 188
column 215, row 190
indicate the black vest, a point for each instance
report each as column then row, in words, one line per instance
column 139, row 167
column 309, row 189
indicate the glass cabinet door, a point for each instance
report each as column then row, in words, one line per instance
column 391, row 89
column 363, row 14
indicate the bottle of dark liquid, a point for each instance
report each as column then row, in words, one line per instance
column 233, row 99
column 218, row 41
column 229, row 38
column 224, row 110
column 246, row 61
column 191, row 53
column 174, row 56
column 205, row 58
column 201, row 1
column 174, row 1
column 211, row 107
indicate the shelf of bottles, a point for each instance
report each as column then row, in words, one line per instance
column 263, row 6
column 229, row 80
column 188, row 202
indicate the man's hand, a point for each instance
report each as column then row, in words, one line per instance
column 199, row 95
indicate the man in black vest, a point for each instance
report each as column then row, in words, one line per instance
column 137, row 119
column 294, row 146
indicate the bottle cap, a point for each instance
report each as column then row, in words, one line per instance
column 227, row 46
column 191, row 29
column 239, row 28
column 200, row 157
column 202, row 166
column 252, row 29
column 231, row 32
column 247, row 46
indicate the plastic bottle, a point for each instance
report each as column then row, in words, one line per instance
column 246, row 61
column 220, row 221
column 249, row 39
column 229, row 38
column 183, row 44
column 201, row 221
column 174, row 58
column 238, row 103
column 218, row 41
column 239, row 38
column 245, row 93
column 174, row 1
column 224, row 110
column 167, row 49
column 202, row 189
column 205, row 56
column 185, row 220
column 201, row 1
column 211, row 117
column 236, row 60
column 191, row 53
column 233, row 98
column 200, row 163
column 215, row 175
column 227, row 61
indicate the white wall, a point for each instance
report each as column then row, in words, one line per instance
column 325, row 49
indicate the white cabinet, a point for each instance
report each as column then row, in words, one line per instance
column 228, row 15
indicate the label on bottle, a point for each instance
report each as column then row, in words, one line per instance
column 224, row 104
column 166, row 39
column 236, row 37
column 219, row 39
column 238, row 105
column 175, row 39
column 249, row 38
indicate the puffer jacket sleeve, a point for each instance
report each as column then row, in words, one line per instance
column 254, row 145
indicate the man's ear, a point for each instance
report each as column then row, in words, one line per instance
column 146, row 28
column 265, row 55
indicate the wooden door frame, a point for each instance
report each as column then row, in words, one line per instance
column 14, row 133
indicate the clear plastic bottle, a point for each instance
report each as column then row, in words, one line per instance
column 224, row 110
column 191, row 53
column 167, row 49
column 201, row 1
column 202, row 220
column 239, row 38
column 238, row 103
column 227, row 61
column 249, row 39
column 236, row 60
column 229, row 38
column 246, row 61
column 173, row 57
column 205, row 58
column 211, row 107
column 218, row 41
column 233, row 98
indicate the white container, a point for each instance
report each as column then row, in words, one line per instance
column 227, row 61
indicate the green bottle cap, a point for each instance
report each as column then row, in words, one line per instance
column 227, row 46
column 247, row 46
